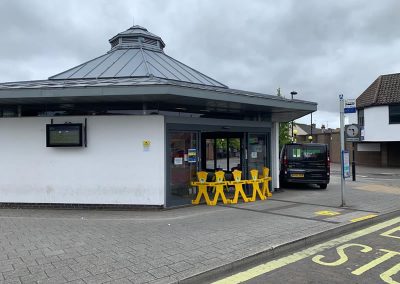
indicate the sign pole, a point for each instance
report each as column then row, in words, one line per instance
column 353, row 164
column 342, row 180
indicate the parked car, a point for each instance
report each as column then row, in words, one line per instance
column 305, row 163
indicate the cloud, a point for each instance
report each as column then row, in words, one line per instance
column 318, row 48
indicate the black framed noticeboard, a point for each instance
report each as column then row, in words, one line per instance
column 64, row 135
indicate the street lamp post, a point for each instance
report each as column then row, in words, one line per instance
column 293, row 93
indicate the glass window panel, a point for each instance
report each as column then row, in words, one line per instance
column 394, row 114
column 234, row 154
column 257, row 152
column 210, row 162
column 221, row 153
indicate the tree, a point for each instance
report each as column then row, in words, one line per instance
column 284, row 128
column 284, row 136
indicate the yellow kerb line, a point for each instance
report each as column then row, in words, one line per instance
column 281, row 262
column 363, row 218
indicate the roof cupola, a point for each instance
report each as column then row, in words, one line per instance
column 137, row 37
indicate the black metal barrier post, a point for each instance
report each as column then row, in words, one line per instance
column 353, row 165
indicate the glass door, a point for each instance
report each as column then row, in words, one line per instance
column 222, row 151
column 183, row 166
column 256, row 151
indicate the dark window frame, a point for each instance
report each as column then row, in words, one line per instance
column 79, row 126
column 360, row 117
column 394, row 114
column 220, row 135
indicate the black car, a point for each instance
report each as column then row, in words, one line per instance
column 305, row 163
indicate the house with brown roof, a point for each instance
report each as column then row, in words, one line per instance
column 378, row 111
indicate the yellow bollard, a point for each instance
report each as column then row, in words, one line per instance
column 238, row 183
column 219, row 188
column 266, row 179
column 255, row 183
column 202, row 185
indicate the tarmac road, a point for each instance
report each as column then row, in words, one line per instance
column 370, row 255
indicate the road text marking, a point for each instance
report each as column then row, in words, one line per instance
column 281, row 262
column 390, row 232
column 327, row 213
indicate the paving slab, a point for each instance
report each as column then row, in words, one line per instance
column 94, row 246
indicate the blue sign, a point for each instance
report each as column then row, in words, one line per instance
column 349, row 110
column 346, row 163
column 350, row 106
column 192, row 155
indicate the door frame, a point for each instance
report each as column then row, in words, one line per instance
column 202, row 126
column 218, row 135
column 168, row 189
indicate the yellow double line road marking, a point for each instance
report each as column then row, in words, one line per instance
column 281, row 262
column 363, row 218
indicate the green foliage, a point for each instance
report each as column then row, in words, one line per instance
column 284, row 128
column 234, row 143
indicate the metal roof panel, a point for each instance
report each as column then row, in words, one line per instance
column 140, row 71
column 85, row 69
column 132, row 63
column 107, row 63
column 118, row 65
column 137, row 53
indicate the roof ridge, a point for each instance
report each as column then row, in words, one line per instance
column 377, row 89
column 391, row 74
column 145, row 63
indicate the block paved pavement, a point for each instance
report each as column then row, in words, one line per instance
column 94, row 246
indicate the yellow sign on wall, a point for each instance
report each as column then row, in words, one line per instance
column 146, row 145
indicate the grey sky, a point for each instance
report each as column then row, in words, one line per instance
column 318, row 48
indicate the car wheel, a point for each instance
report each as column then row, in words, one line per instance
column 323, row 186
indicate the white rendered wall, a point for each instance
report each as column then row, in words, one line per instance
column 368, row 147
column 275, row 155
column 114, row 168
column 377, row 127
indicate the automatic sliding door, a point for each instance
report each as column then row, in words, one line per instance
column 222, row 151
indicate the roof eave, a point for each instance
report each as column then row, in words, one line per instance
column 280, row 109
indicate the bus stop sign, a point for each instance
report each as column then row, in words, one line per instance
column 350, row 106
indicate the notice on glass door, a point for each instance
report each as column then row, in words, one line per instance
column 192, row 155
column 178, row 161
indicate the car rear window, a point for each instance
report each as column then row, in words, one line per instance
column 306, row 153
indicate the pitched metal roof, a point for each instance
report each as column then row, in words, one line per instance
column 384, row 90
column 136, row 53
column 136, row 70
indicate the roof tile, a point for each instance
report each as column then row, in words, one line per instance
column 384, row 90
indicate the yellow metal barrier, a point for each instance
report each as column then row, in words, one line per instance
column 220, row 182
column 214, row 179
column 238, row 183
column 202, row 185
column 219, row 188
column 255, row 183
column 265, row 176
